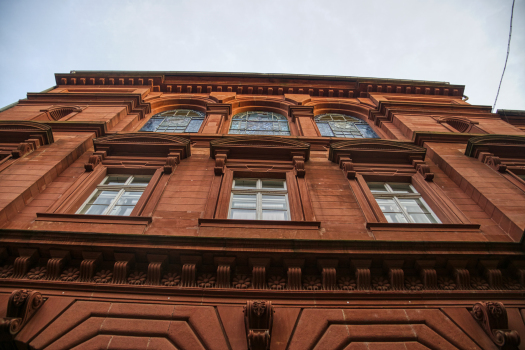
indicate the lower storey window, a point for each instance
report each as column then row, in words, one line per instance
column 259, row 199
column 115, row 195
column 400, row 202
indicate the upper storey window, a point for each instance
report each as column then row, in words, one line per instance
column 259, row 123
column 178, row 120
column 340, row 125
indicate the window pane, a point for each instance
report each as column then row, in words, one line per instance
column 245, row 183
column 367, row 131
column 244, row 201
column 243, row 214
column 273, row 184
column 122, row 210
column 388, row 205
column 94, row 209
column 423, row 218
column 116, row 180
column 104, row 197
column 273, row 202
column 413, row 206
column 194, row 125
column 129, row 198
column 274, row 215
column 400, row 187
column 259, row 123
column 377, row 187
column 140, row 181
column 325, row 129
column 152, row 124
column 393, row 217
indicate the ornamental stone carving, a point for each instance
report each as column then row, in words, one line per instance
column 21, row 306
column 258, row 319
column 492, row 317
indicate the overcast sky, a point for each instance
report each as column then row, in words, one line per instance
column 459, row 41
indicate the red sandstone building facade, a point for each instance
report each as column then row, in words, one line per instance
column 168, row 210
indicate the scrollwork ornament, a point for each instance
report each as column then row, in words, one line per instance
column 492, row 317
column 21, row 306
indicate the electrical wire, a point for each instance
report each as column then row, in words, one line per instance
column 507, row 58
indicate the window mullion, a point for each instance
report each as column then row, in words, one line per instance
column 259, row 205
column 405, row 213
column 114, row 202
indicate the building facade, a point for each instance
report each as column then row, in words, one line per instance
column 171, row 210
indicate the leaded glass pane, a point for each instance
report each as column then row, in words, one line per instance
column 259, row 123
column 176, row 121
column 340, row 125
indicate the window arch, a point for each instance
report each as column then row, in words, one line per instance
column 259, row 123
column 176, row 121
column 340, row 125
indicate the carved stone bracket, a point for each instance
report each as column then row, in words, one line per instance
column 93, row 162
column 26, row 259
column 156, row 266
column 347, row 165
column 492, row 273
column 362, row 273
column 492, row 317
column 22, row 149
column 123, row 263
column 329, row 272
column 295, row 267
column 428, row 273
column 189, row 270
column 220, row 163
column 172, row 161
column 21, row 306
column 396, row 275
column 298, row 162
column 259, row 266
column 423, row 169
column 460, row 273
column 224, row 265
column 89, row 265
column 258, row 319
column 55, row 265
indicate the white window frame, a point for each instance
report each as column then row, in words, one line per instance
column 121, row 188
column 395, row 196
column 259, row 191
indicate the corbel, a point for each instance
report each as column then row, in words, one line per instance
column 21, row 306
column 328, row 272
column 258, row 320
column 57, row 262
column 156, row 266
column 94, row 160
column 26, row 259
column 492, row 317
column 492, row 273
column 518, row 267
column 495, row 163
column 459, row 271
column 422, row 168
column 362, row 273
column 23, row 148
column 123, row 263
column 259, row 267
column 89, row 264
column 345, row 163
column 224, row 267
column 396, row 275
column 172, row 161
column 298, row 162
column 428, row 274
column 294, row 272
column 220, row 162
column 189, row 269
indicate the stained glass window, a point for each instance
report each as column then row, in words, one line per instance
column 259, row 123
column 178, row 120
column 340, row 125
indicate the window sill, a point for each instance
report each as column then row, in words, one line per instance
column 94, row 219
column 300, row 225
column 379, row 225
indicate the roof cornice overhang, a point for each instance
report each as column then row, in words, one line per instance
column 276, row 84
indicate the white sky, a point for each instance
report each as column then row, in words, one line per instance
column 462, row 42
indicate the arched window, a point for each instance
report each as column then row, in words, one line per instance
column 340, row 125
column 177, row 120
column 259, row 123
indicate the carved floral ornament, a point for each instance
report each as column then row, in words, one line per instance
column 21, row 306
column 492, row 317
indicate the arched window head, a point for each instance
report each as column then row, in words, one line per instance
column 259, row 123
column 340, row 125
column 177, row 120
